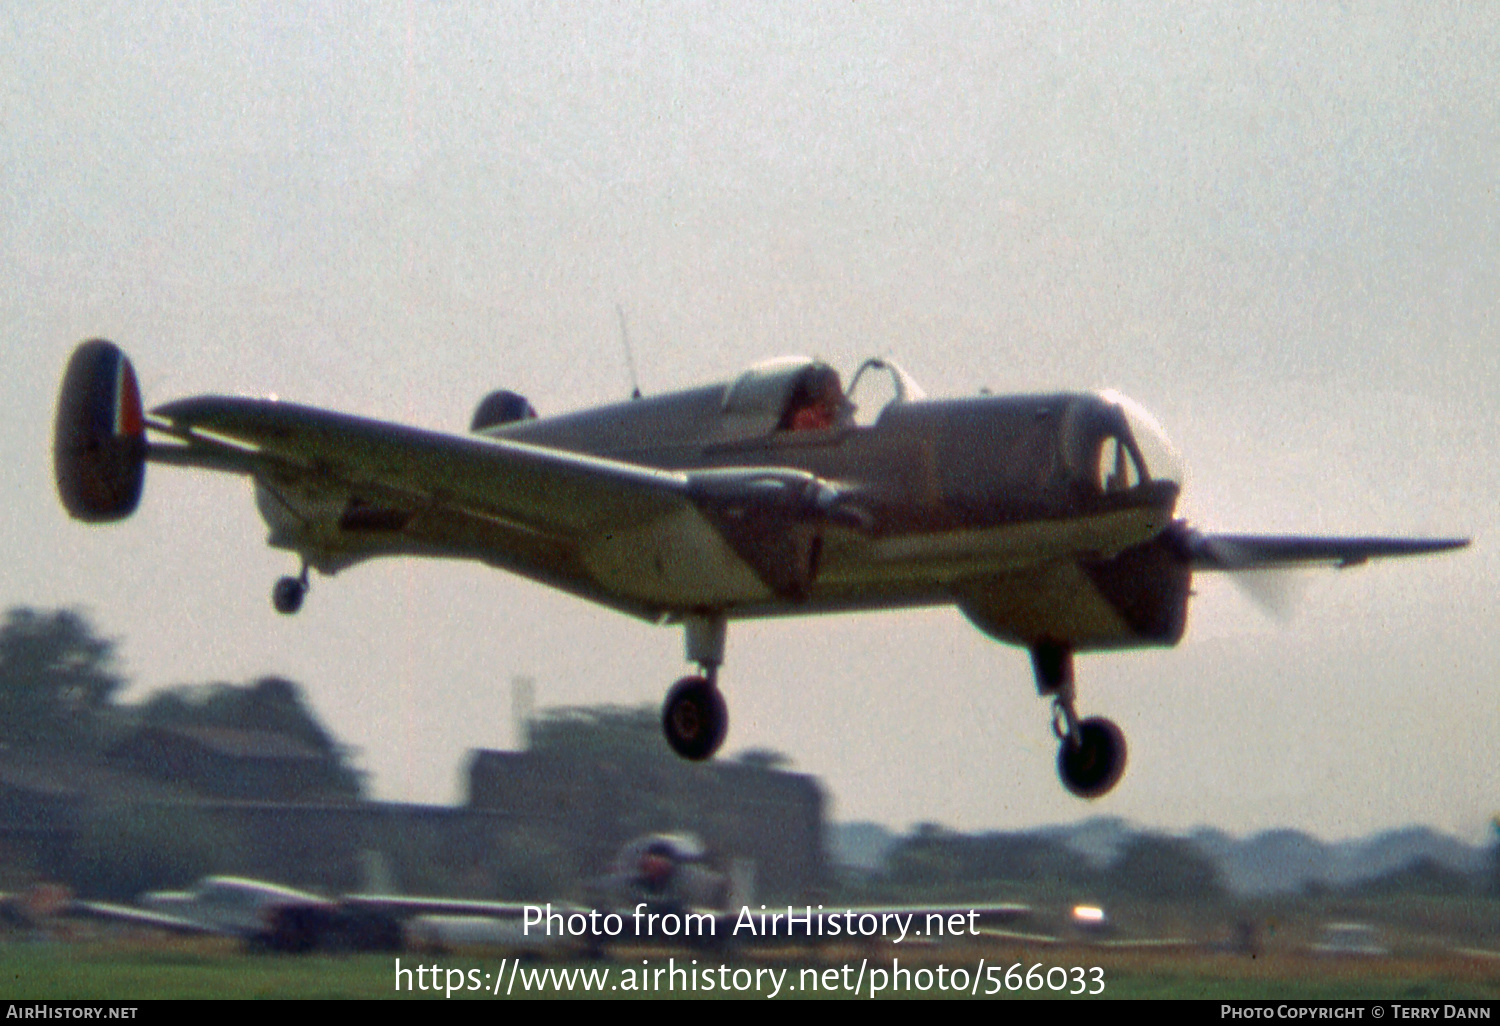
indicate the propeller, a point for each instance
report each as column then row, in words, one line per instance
column 1273, row 591
column 1277, row 593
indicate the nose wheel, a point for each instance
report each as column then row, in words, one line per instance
column 1091, row 752
column 288, row 593
column 1091, row 761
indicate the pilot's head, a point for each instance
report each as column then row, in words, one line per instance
column 817, row 402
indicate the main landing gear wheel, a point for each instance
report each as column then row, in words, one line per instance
column 288, row 594
column 1092, row 760
column 695, row 718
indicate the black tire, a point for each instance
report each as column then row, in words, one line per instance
column 1096, row 764
column 695, row 718
column 288, row 594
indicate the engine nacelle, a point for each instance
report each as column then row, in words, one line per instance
column 99, row 445
column 501, row 407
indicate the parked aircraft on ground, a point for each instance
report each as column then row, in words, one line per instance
column 666, row 871
column 262, row 914
column 1047, row 519
column 663, row 873
column 661, row 889
column 668, row 874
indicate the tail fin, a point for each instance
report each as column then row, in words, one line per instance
column 99, row 444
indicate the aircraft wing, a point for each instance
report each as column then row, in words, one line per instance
column 127, row 915
column 1270, row 552
column 501, row 499
column 554, row 493
column 402, row 907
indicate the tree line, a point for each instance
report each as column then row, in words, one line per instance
column 60, row 690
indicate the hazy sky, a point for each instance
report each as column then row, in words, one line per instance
column 1276, row 226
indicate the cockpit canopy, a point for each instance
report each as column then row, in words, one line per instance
column 777, row 389
column 676, row 848
column 797, row 393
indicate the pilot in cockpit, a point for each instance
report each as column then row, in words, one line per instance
column 817, row 402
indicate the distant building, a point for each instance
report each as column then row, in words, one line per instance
column 592, row 804
column 220, row 762
column 538, row 824
column 44, row 793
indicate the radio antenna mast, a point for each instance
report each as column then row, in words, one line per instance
column 635, row 384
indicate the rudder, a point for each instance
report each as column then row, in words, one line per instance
column 99, row 445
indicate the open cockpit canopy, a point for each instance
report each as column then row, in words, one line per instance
column 795, row 393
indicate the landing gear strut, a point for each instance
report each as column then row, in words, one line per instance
column 289, row 592
column 694, row 716
column 1091, row 752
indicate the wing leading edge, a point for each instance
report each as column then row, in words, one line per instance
column 546, row 490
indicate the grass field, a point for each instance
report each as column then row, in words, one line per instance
column 140, row 969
